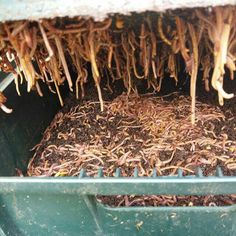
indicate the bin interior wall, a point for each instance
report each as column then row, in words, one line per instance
column 22, row 129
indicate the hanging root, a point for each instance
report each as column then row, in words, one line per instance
column 63, row 60
column 58, row 93
column 219, row 88
column 219, row 34
column 2, row 106
column 38, row 89
column 95, row 71
column 160, row 30
column 6, row 109
column 194, row 71
column 47, row 44
column 77, row 85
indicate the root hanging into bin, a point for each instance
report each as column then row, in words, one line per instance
column 2, row 106
column 146, row 49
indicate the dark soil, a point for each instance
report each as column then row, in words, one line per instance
column 157, row 200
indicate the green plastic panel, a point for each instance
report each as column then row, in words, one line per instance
column 67, row 206
column 112, row 186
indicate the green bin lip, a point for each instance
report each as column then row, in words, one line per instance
column 163, row 185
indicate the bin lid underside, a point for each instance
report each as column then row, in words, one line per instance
column 34, row 10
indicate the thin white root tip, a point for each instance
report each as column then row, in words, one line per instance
column 6, row 109
column 220, row 99
column 220, row 90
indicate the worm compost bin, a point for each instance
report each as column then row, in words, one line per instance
column 117, row 119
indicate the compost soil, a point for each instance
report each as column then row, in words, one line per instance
column 83, row 137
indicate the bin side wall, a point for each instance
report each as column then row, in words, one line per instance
column 21, row 130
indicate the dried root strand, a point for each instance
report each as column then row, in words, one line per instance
column 161, row 32
column 2, row 106
column 95, row 70
column 194, row 71
column 63, row 60
column 46, row 41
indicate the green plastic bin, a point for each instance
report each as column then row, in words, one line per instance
column 67, row 205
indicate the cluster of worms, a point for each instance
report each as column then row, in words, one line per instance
column 128, row 134
column 147, row 47
column 167, row 200
column 144, row 132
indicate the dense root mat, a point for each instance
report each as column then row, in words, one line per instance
column 146, row 47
